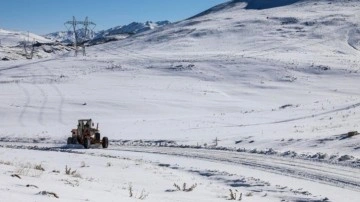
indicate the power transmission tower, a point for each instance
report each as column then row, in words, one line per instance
column 216, row 142
column 28, row 45
column 86, row 28
column 73, row 24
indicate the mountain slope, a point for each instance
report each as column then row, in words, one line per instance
column 287, row 64
column 310, row 30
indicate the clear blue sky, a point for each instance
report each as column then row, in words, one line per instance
column 44, row 16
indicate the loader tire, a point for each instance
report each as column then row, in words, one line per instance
column 87, row 143
column 105, row 142
column 97, row 137
column 69, row 140
column 74, row 140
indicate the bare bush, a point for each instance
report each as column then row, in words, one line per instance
column 191, row 188
column 39, row 167
column 142, row 196
column 233, row 195
column 184, row 188
column 73, row 173
column 177, row 187
column 131, row 194
column 67, row 170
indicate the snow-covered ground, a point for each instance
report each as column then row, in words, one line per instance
column 279, row 82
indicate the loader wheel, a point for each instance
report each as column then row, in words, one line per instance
column 69, row 140
column 74, row 140
column 105, row 142
column 97, row 137
column 87, row 143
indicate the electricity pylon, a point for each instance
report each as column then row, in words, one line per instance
column 86, row 27
column 27, row 45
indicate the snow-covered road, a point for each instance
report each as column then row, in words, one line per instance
column 340, row 176
column 301, row 172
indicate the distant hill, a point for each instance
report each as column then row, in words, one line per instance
column 13, row 38
column 115, row 33
column 12, row 45
column 132, row 28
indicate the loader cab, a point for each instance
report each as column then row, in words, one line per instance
column 85, row 123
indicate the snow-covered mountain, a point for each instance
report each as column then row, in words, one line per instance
column 12, row 45
column 122, row 32
column 61, row 36
column 119, row 32
column 132, row 28
column 13, row 38
column 289, row 30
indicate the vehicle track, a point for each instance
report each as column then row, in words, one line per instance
column 334, row 175
column 26, row 64
column 25, row 105
column 323, row 173
column 59, row 93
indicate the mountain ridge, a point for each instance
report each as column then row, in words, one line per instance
column 117, row 32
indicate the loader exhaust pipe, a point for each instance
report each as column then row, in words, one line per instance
column 97, row 126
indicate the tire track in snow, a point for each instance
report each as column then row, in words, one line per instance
column 26, row 104
column 322, row 173
column 59, row 93
column 61, row 105
column 35, row 62
column 43, row 105
column 26, row 64
column 338, row 176
column 44, row 98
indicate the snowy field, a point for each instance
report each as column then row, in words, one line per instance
column 276, row 88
